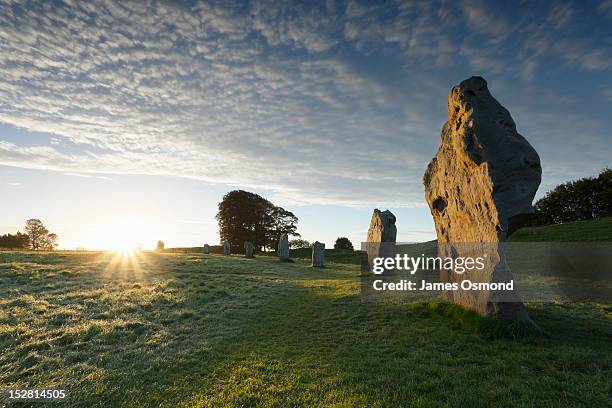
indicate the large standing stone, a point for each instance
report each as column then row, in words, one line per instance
column 227, row 248
column 248, row 249
column 381, row 234
column 283, row 247
column 478, row 187
column 160, row 245
column 318, row 254
column 206, row 249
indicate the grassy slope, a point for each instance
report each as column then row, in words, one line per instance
column 203, row 330
column 331, row 255
column 581, row 231
column 599, row 230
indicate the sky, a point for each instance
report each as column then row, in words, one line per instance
column 129, row 121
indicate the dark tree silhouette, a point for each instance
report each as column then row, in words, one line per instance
column 343, row 243
column 299, row 243
column 39, row 236
column 16, row 241
column 245, row 216
column 282, row 222
column 584, row 199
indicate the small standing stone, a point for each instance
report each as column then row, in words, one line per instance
column 283, row 248
column 318, row 254
column 248, row 249
column 160, row 245
column 381, row 235
column 206, row 249
column 227, row 249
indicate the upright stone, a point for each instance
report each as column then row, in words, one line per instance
column 381, row 234
column 160, row 246
column 479, row 186
column 318, row 254
column 283, row 247
column 206, row 249
column 248, row 249
column 227, row 248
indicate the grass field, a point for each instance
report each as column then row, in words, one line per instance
column 580, row 231
column 331, row 255
column 207, row 330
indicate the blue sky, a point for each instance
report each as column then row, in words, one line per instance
column 115, row 111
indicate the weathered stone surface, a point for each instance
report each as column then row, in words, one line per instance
column 206, row 249
column 318, row 254
column 382, row 229
column 478, row 186
column 248, row 249
column 227, row 248
column 283, row 247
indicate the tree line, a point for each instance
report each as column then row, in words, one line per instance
column 35, row 237
column 341, row 243
column 579, row 200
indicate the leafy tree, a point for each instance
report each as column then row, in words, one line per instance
column 245, row 216
column 39, row 236
column 282, row 222
column 343, row 243
column 16, row 241
column 603, row 195
column 299, row 243
column 584, row 199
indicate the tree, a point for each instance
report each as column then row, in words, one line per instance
column 49, row 242
column 245, row 216
column 16, row 241
column 343, row 243
column 160, row 245
column 603, row 195
column 282, row 222
column 299, row 243
column 39, row 236
column 584, row 199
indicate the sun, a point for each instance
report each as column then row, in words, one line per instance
column 123, row 235
column 126, row 251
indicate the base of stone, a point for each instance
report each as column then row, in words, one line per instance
column 491, row 327
column 515, row 329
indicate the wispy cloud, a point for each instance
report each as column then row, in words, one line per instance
column 338, row 102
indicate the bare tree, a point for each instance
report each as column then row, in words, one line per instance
column 39, row 236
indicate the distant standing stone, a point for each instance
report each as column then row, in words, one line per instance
column 248, row 249
column 160, row 245
column 283, row 248
column 227, row 249
column 318, row 254
column 381, row 234
column 206, row 249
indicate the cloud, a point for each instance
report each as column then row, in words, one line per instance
column 605, row 7
column 331, row 102
column 484, row 20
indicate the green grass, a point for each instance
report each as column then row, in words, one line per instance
column 206, row 330
column 345, row 256
column 580, row 231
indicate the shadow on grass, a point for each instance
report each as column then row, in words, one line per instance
column 316, row 345
column 211, row 330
